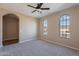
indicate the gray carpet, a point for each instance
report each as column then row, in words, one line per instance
column 36, row 48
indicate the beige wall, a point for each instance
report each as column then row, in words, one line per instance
column 53, row 27
column 38, row 28
column 27, row 26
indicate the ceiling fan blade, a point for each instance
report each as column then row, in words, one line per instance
column 44, row 8
column 34, row 11
column 31, row 6
column 39, row 5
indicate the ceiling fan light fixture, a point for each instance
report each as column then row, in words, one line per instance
column 38, row 8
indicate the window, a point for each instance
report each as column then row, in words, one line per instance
column 65, row 26
column 45, row 27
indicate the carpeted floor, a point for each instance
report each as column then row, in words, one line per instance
column 36, row 48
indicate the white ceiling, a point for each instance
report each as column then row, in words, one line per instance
column 24, row 9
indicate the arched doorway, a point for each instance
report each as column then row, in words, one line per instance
column 10, row 29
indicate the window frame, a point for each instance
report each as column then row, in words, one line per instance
column 44, row 27
column 60, row 26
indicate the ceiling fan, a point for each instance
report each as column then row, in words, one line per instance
column 38, row 7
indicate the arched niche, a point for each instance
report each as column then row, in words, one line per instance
column 10, row 29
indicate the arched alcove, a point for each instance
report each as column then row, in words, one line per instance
column 10, row 29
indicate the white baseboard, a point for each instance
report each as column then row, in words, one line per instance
column 62, row 44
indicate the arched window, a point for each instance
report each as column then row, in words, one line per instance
column 65, row 26
column 45, row 27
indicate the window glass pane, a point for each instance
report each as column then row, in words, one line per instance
column 64, row 17
column 64, row 26
column 45, row 27
column 45, row 23
column 68, row 22
column 68, row 17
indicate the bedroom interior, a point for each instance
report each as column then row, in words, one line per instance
column 39, row 29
